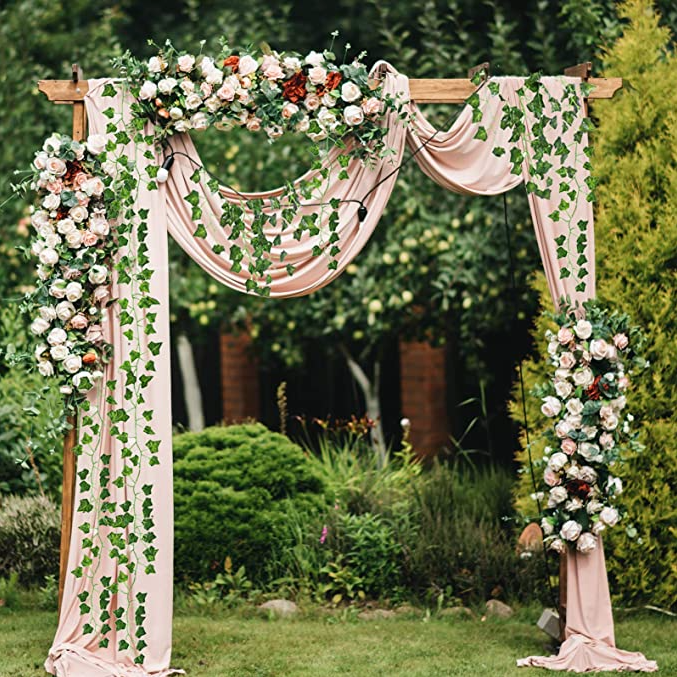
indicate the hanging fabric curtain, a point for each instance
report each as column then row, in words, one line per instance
column 455, row 160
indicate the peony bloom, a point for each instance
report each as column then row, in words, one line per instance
column 570, row 530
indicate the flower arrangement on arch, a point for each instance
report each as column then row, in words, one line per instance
column 595, row 361
column 265, row 91
column 73, row 244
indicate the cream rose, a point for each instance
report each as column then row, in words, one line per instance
column 567, row 360
column 65, row 310
column 73, row 291
column 59, row 352
column 570, row 530
column 48, row 257
column 289, row 109
column 588, row 451
column 247, row 65
column 546, row 526
column 557, row 461
column 575, row 406
column 39, row 326
column 78, row 213
column 226, row 92
column 583, row 377
column 314, row 59
column 609, row 516
column 583, row 329
column 79, row 321
column 350, row 92
column 74, row 239
column 186, row 63
column 72, row 364
column 156, row 64
column 317, row 75
column 56, row 166
column 97, row 274
column 562, row 429
column 312, row 102
column 56, row 336
column 199, row 122
column 557, row 545
column 563, row 389
column 573, row 505
column 586, row 543
column 556, row 496
column 598, row 349
column 551, row 406
column 51, row 201
column 46, row 368
column 66, row 226
column 371, row 106
column 353, row 115
column 565, row 335
column 621, row 341
column 58, row 289
column 593, row 506
column 148, row 91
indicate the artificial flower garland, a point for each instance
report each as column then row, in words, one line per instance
column 594, row 361
column 74, row 244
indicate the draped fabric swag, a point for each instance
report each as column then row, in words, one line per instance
column 453, row 159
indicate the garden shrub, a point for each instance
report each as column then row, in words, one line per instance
column 636, row 238
column 29, row 537
column 233, row 486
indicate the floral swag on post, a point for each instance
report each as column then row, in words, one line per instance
column 595, row 361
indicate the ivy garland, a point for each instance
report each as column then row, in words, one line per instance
column 336, row 106
column 542, row 155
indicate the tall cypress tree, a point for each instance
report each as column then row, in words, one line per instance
column 636, row 237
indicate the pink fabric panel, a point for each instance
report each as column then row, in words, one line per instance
column 73, row 654
column 589, row 644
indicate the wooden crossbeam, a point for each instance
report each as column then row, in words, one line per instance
column 434, row 90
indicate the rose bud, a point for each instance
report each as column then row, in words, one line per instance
column 89, row 358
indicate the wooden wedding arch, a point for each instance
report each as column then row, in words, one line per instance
column 434, row 90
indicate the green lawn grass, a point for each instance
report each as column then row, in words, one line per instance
column 237, row 644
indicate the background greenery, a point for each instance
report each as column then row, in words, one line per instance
column 435, row 535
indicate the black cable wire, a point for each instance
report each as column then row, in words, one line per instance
column 513, row 289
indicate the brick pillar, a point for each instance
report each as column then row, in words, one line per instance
column 424, row 395
column 239, row 378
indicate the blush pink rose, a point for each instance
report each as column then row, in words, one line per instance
column 94, row 333
column 206, row 89
column 72, row 274
column 371, row 106
column 621, row 341
column 89, row 239
column 565, row 335
column 79, row 321
column 80, row 180
column 55, row 186
column 568, row 446
column 551, row 478
column 226, row 92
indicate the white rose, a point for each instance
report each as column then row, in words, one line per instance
column 148, row 90
column 610, row 422
column 58, row 289
column 199, row 122
column 52, row 240
column 56, row 166
column 40, row 161
column 73, row 291
column 193, row 101
column 583, row 377
column 562, row 374
column 573, row 472
column 590, row 431
column 289, row 109
column 612, row 354
column 350, row 92
column 557, row 461
column 588, row 474
column 556, row 496
column 570, row 530
column 155, row 64
column 207, row 65
column 56, row 336
column 609, row 516
column 52, row 144
column 247, row 65
column 317, row 136
column 557, row 545
column 48, row 257
column 166, row 85
column 588, row 451
column 182, row 126
column 567, row 360
column 327, row 119
column 583, row 329
column 563, row 389
column 47, row 313
column 586, row 543
column 593, row 506
column 303, row 125
column 573, row 505
column 176, row 113
column 40, row 218
column 214, row 77
column 598, row 528
column 353, row 115
column 39, row 326
column 575, row 406
column 551, row 406
column 65, row 226
column 598, row 349
column 328, row 100
column 59, row 352
column 186, row 63
column 78, row 213
column 51, row 202
column 546, row 526
column 46, row 368
column 317, row 75
column 314, row 59
column 99, row 225
column 291, row 63
column 213, row 103
column 97, row 274
column 74, row 239
column 187, row 86
column 96, row 143
column 65, row 310
column 37, row 247
column 72, row 364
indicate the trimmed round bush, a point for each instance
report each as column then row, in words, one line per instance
column 29, row 537
column 232, row 488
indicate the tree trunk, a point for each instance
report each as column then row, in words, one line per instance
column 191, row 385
column 370, row 391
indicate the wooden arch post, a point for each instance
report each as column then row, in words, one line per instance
column 433, row 90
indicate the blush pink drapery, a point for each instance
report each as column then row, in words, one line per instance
column 455, row 160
